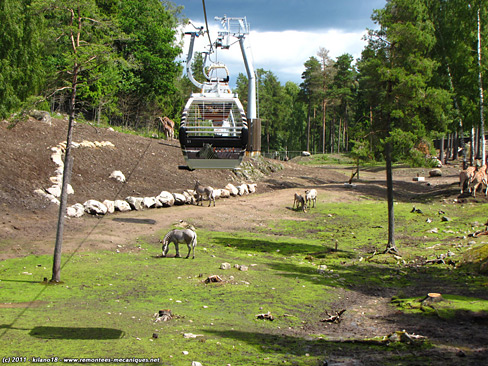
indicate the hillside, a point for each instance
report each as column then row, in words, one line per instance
column 150, row 166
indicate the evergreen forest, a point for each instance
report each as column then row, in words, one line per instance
column 420, row 77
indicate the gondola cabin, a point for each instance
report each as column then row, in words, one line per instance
column 213, row 131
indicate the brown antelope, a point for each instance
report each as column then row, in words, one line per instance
column 479, row 178
column 168, row 127
column 465, row 176
column 299, row 202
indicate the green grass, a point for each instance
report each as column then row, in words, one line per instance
column 105, row 307
column 450, row 307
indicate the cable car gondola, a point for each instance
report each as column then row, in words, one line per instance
column 214, row 127
column 213, row 131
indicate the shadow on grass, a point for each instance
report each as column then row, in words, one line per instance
column 285, row 247
column 337, row 351
column 76, row 333
column 23, row 281
column 44, row 332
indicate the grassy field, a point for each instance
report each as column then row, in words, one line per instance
column 296, row 269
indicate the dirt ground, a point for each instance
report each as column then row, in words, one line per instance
column 28, row 221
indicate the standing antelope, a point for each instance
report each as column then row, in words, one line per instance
column 299, row 202
column 311, row 196
column 201, row 191
column 465, row 176
column 479, row 178
column 168, row 127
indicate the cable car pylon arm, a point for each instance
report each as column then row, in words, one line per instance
column 189, row 59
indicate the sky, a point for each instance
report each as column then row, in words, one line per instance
column 284, row 34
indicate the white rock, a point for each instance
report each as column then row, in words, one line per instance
column 76, row 210
column 225, row 266
column 251, row 187
column 149, row 202
column 118, row 176
column 242, row 189
column 121, row 205
column 166, row 199
column 232, row 189
column 95, row 207
column 110, row 206
column 48, row 196
column 224, row 193
column 179, row 198
column 136, row 203
column 190, row 198
column 54, row 190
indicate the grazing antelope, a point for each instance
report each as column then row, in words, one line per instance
column 207, row 191
column 177, row 236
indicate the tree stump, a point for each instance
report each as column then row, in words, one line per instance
column 432, row 297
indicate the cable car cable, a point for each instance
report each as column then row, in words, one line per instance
column 206, row 24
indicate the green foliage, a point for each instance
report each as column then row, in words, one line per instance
column 20, row 55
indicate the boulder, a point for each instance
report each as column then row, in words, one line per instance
column 46, row 195
column 190, row 199
column 232, row 189
column 136, row 203
column 77, row 210
column 179, row 199
column 57, row 158
column 436, row 172
column 122, row 206
column 166, row 199
column 251, row 187
column 95, row 207
column 242, row 189
column 225, row 266
column 42, row 116
column 118, row 176
column 149, row 202
column 110, row 206
column 224, row 193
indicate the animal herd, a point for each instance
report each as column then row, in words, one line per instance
column 188, row 236
column 302, row 202
column 472, row 178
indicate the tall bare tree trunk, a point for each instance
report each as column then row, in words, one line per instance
column 324, row 126
column 441, row 150
column 391, row 246
column 472, row 154
column 308, row 127
column 56, row 275
column 480, row 81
